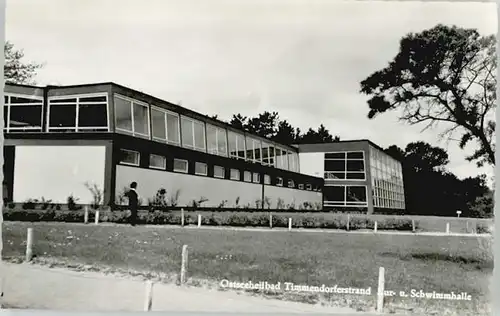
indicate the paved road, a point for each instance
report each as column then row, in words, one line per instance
column 38, row 287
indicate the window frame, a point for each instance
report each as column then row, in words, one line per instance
column 346, row 203
column 267, row 179
column 179, row 170
column 132, row 101
column 218, row 130
column 223, row 172
column 345, row 160
column 291, row 184
column 165, row 118
column 164, row 159
column 254, row 176
column 129, row 163
column 7, row 105
column 193, row 122
column 198, row 163
column 231, row 174
column 76, row 127
column 279, row 181
column 245, row 173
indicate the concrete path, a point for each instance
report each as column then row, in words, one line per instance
column 37, row 287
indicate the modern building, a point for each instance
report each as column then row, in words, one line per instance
column 63, row 141
column 357, row 173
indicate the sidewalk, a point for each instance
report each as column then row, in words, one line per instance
column 37, row 287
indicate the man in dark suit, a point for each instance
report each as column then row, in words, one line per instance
column 133, row 201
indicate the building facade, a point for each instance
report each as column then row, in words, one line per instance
column 65, row 141
column 357, row 174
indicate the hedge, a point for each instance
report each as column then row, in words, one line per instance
column 216, row 218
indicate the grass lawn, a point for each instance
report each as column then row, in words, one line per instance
column 441, row 264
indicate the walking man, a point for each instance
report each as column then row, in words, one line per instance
column 133, row 201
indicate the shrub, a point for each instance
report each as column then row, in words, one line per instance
column 159, row 201
column 30, row 204
column 237, row 218
column 71, row 202
column 97, row 195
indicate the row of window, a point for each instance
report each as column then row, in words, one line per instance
column 83, row 113
column 131, row 117
column 90, row 113
column 130, row 157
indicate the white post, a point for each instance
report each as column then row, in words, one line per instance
column 199, row 220
column 348, row 221
column 184, row 263
column 270, row 220
column 413, row 225
column 29, row 245
column 380, row 291
column 290, row 223
column 148, row 299
column 97, row 217
column 375, row 227
column 467, row 227
column 86, row 215
column 182, row 217
column 447, row 228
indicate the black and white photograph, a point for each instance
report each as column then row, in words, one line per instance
column 292, row 156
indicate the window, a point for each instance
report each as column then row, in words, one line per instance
column 301, row 187
column 345, row 166
column 272, row 162
column 279, row 181
column 78, row 113
column 334, row 195
column 291, row 161
column 200, row 168
column 387, row 180
column 247, row 176
column 180, row 165
column 253, row 149
column 267, row 179
column 219, row 172
column 343, row 195
column 129, row 157
column 236, row 145
column 193, row 133
column 23, row 113
column 157, row 162
column 256, row 177
column 308, row 187
column 235, row 174
column 281, row 158
column 216, row 140
column 165, row 126
column 131, row 116
column 265, row 154
column 291, row 184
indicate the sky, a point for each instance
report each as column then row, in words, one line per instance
column 301, row 58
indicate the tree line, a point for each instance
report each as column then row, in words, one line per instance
column 430, row 188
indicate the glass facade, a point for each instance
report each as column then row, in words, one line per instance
column 387, row 180
column 90, row 113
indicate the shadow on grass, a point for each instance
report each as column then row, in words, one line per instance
column 477, row 263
